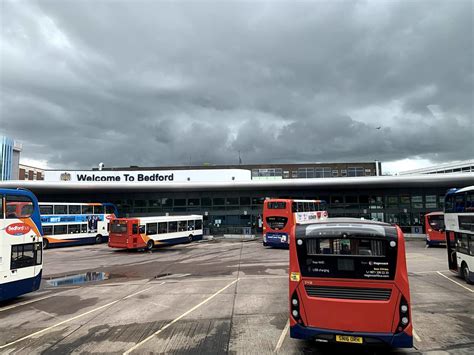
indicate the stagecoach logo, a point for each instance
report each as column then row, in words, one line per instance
column 65, row 177
column 18, row 229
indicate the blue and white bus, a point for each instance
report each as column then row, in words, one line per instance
column 67, row 224
column 21, row 253
column 459, row 223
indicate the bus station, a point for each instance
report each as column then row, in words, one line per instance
column 224, row 293
column 236, row 177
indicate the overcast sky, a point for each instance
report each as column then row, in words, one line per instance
column 150, row 83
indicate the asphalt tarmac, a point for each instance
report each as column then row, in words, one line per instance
column 211, row 297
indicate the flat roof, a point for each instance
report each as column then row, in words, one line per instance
column 441, row 180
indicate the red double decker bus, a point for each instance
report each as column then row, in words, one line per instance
column 435, row 229
column 349, row 283
column 280, row 215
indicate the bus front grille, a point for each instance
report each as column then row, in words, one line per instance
column 349, row 293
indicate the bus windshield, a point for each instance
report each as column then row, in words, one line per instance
column 118, row 227
column 436, row 222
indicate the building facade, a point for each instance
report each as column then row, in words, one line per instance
column 27, row 172
column 466, row 166
column 9, row 158
column 282, row 171
column 228, row 205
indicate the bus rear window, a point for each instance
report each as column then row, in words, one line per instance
column 349, row 258
column 277, row 223
column 118, row 227
column 436, row 222
column 346, row 246
column 276, row 205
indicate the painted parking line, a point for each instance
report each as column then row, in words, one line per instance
column 69, row 320
column 457, row 283
column 282, row 336
column 180, row 317
column 415, row 334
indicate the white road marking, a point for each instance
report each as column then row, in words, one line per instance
column 180, row 317
column 58, row 324
column 70, row 319
column 282, row 336
column 417, row 338
column 457, row 283
column 137, row 293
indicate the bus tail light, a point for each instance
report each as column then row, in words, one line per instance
column 404, row 312
column 295, row 308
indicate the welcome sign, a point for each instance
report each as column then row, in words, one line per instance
column 156, row 176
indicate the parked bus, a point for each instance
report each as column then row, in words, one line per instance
column 459, row 221
column 67, row 224
column 435, row 231
column 148, row 232
column 21, row 254
column 279, row 218
column 349, row 283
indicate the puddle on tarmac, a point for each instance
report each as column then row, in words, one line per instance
column 78, row 278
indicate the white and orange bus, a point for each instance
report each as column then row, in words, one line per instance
column 148, row 232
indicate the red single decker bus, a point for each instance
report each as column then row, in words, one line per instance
column 280, row 215
column 435, row 230
column 349, row 283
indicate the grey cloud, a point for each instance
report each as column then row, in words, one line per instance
column 148, row 83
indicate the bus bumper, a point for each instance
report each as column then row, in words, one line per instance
column 16, row 288
column 400, row 340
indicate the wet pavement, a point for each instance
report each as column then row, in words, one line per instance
column 214, row 297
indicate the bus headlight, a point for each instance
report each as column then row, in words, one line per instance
column 295, row 313
column 299, row 242
column 404, row 320
column 404, row 308
column 294, row 302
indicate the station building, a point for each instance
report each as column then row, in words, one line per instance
column 231, row 199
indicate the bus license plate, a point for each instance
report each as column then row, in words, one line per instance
column 349, row 339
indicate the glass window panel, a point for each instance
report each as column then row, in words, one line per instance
column 46, row 209
column 60, row 209
column 162, row 227
column 172, row 227
column 61, row 229
column 218, row 201
column 74, row 209
column 73, row 228
column 86, row 209
column 182, row 226
column 151, row 228
column 179, row 202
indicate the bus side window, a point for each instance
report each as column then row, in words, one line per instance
column 142, row 229
column 1, row 206
column 134, row 229
column 294, row 207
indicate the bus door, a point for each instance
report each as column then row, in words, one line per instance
column 451, row 248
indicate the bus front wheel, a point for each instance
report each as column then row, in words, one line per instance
column 190, row 238
column 465, row 273
column 98, row 239
column 45, row 243
column 149, row 245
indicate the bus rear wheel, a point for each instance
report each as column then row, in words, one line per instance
column 149, row 245
column 190, row 238
column 45, row 243
column 465, row 274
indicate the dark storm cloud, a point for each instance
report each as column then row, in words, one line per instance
column 148, row 83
